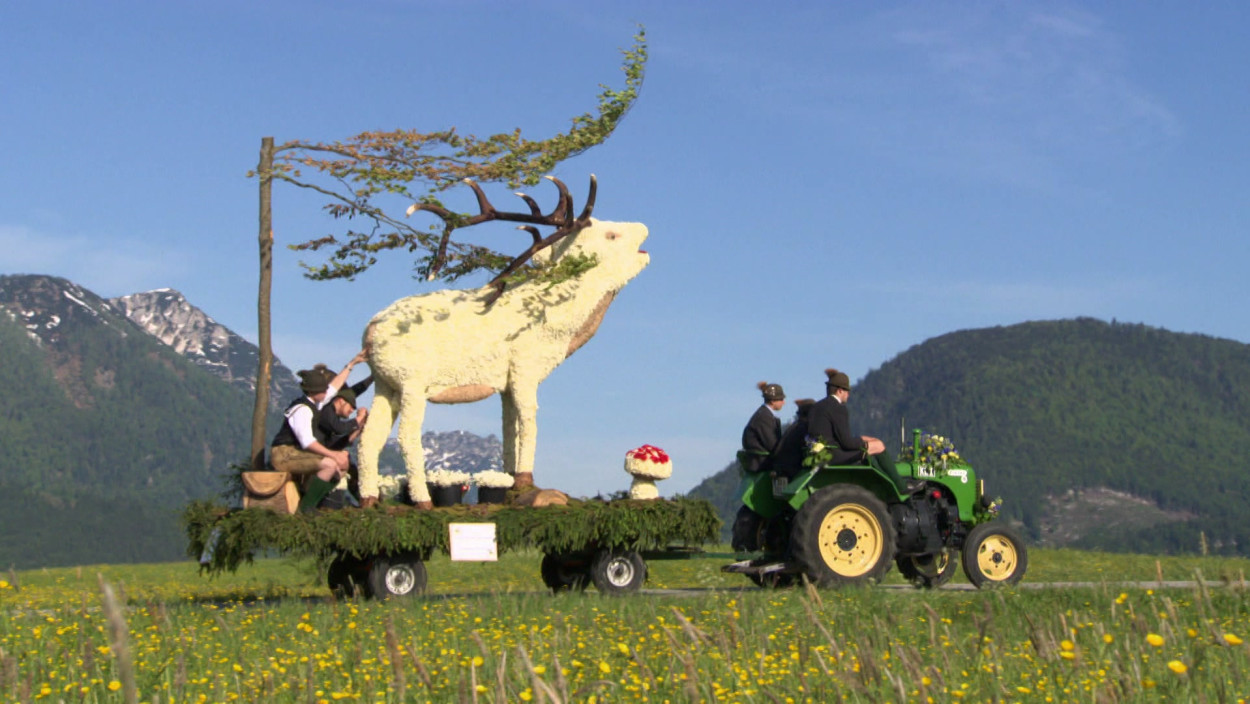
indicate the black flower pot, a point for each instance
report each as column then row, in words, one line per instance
column 491, row 494
column 446, row 495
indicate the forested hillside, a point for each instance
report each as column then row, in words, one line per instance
column 1051, row 411
column 101, row 424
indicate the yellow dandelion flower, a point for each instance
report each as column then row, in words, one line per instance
column 114, row 686
column 1067, row 655
column 1024, row 690
column 540, row 669
column 1178, row 667
column 1191, row 632
column 478, row 661
column 481, row 689
column 604, row 667
column 5, row 585
column 1154, row 639
column 926, row 680
column 623, row 648
column 1067, row 645
column 1108, row 638
column 1231, row 639
column 527, row 695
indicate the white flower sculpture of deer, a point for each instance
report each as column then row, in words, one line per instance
column 460, row 346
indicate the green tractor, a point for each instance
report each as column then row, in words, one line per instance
column 846, row 525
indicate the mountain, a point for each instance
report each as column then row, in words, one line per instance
column 166, row 315
column 104, row 430
column 1097, row 435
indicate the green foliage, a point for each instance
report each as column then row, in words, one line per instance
column 235, row 536
column 364, row 175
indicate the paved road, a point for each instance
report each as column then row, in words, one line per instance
column 964, row 587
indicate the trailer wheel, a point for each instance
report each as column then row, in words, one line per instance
column 928, row 571
column 994, row 555
column 618, row 571
column 397, row 575
column 843, row 535
column 565, row 572
column 348, row 577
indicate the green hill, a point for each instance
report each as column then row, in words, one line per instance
column 1097, row 435
column 104, row 433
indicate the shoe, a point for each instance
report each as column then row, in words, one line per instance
column 914, row 486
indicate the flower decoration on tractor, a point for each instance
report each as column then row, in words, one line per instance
column 936, row 454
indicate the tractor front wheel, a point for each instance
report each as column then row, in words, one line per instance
column 843, row 536
column 994, row 555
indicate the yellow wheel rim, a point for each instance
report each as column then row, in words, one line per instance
column 997, row 558
column 851, row 540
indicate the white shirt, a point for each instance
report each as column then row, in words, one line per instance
column 300, row 417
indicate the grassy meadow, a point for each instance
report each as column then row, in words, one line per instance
column 491, row 633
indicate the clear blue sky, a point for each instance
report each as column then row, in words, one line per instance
column 826, row 184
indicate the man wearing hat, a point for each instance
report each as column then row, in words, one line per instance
column 763, row 431
column 829, row 422
column 297, row 448
column 336, row 429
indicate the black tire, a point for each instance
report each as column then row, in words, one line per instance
column 400, row 575
column 565, row 573
column 348, row 577
column 618, row 571
column 748, row 531
column 842, row 536
column 928, row 571
column 994, row 556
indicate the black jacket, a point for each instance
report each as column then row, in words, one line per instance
column 762, row 434
column 830, row 422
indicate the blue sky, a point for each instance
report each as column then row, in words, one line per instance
column 826, row 184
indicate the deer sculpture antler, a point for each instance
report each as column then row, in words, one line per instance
column 560, row 217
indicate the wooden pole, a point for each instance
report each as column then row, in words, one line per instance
column 264, row 367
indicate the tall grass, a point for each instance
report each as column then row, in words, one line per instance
column 488, row 633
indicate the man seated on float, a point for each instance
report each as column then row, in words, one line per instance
column 829, row 422
column 788, row 459
column 337, row 429
column 296, row 448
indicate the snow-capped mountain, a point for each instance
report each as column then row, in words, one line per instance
column 169, row 317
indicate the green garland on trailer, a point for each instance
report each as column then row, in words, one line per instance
column 228, row 537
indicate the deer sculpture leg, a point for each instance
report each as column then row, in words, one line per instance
column 509, row 433
column 521, row 404
column 373, row 438
column 410, row 421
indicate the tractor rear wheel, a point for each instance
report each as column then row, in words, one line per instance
column 748, row 531
column 994, row 555
column 843, row 535
column 928, row 571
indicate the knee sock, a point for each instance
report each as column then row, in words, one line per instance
column 317, row 490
